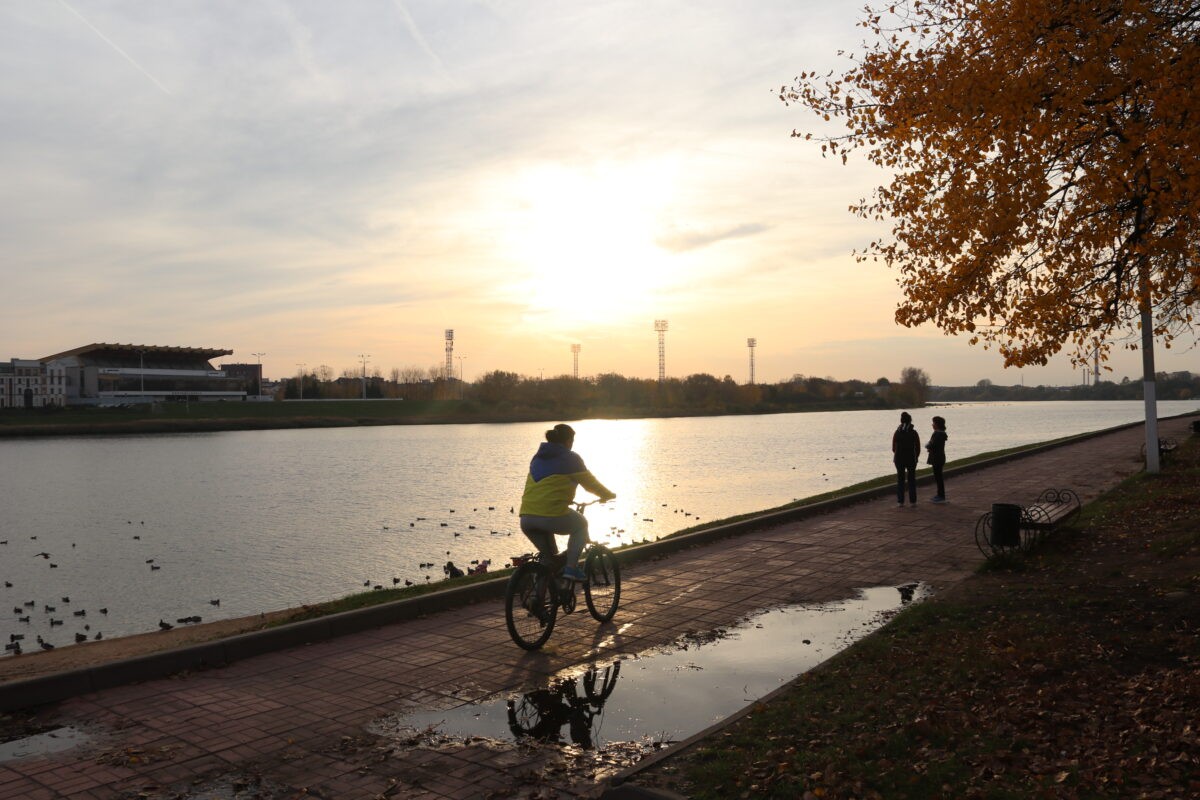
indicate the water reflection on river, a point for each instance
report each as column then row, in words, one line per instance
column 155, row 527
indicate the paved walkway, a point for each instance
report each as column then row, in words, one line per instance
column 296, row 721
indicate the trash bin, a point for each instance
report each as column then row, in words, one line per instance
column 1006, row 525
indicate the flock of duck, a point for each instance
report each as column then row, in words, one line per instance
column 24, row 613
column 43, row 614
column 50, row 614
column 476, row 566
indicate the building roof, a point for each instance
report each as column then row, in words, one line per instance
column 97, row 347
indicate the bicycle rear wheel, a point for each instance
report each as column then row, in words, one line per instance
column 602, row 589
column 530, row 605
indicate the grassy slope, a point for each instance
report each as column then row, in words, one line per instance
column 1070, row 673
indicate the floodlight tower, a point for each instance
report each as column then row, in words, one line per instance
column 660, row 325
column 575, row 356
column 751, row 343
column 449, row 353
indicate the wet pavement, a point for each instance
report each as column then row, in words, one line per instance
column 634, row 705
column 328, row 720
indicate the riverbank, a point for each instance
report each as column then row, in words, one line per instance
column 1069, row 673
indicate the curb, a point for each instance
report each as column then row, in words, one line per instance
column 15, row 695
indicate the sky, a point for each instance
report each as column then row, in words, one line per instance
column 315, row 183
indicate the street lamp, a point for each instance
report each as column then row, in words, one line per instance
column 259, row 356
column 300, row 382
column 364, row 357
column 142, row 373
column 460, row 376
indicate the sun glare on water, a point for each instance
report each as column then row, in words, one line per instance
column 584, row 240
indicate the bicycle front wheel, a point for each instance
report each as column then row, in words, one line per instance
column 530, row 605
column 599, row 683
column 602, row 589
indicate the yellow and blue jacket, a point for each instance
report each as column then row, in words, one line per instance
column 554, row 473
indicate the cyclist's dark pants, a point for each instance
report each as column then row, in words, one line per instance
column 541, row 531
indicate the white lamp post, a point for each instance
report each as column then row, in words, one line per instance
column 258, row 391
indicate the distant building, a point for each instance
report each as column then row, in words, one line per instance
column 111, row 374
column 249, row 375
column 25, row 383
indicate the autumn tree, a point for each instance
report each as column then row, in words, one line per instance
column 1044, row 189
column 916, row 381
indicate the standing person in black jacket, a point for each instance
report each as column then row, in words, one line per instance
column 906, row 451
column 937, row 456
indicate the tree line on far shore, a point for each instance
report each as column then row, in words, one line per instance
column 503, row 391
column 510, row 392
column 1170, row 386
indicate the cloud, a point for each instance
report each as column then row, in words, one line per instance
column 681, row 241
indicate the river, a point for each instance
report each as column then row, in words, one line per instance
column 156, row 527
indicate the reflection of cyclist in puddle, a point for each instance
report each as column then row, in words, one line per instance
column 543, row 712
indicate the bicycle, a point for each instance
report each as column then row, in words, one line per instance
column 537, row 591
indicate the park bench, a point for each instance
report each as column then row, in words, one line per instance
column 1009, row 527
column 1165, row 446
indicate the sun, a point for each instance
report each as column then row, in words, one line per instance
column 584, row 240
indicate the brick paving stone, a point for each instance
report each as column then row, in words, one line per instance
column 286, row 716
column 32, row 792
column 66, row 781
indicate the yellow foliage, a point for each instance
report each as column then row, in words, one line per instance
column 1045, row 165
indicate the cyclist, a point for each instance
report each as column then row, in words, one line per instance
column 546, row 510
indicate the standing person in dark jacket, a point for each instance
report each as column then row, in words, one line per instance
column 906, row 451
column 937, row 456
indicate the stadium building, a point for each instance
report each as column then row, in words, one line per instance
column 113, row 374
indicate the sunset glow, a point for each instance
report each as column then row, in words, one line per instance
column 313, row 183
column 584, row 242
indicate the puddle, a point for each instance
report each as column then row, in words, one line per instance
column 41, row 744
column 628, row 707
